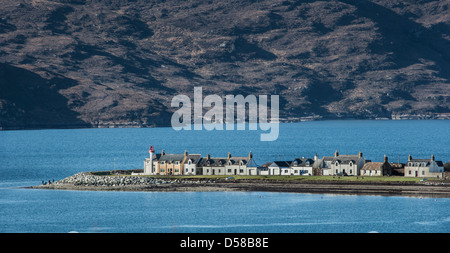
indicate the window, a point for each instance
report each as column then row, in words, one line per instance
column 409, row 172
column 350, row 171
column 336, row 171
column 189, row 162
column 162, row 162
column 177, row 162
column 423, row 172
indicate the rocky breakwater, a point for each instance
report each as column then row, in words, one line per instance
column 88, row 181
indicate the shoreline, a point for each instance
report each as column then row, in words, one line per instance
column 87, row 182
column 393, row 117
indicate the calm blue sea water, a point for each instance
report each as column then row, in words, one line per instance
column 28, row 157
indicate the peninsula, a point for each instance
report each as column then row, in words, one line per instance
column 124, row 181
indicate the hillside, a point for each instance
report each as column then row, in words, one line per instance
column 77, row 63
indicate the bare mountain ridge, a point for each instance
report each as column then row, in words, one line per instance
column 101, row 63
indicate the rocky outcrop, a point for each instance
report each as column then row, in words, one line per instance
column 87, row 179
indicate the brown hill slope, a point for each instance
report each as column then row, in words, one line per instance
column 78, row 63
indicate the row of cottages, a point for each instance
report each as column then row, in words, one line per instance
column 354, row 165
column 413, row 168
column 297, row 167
column 229, row 165
column 171, row 164
column 195, row 164
column 337, row 165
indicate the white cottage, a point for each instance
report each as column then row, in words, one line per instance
column 241, row 165
column 302, row 166
column 342, row 165
column 424, row 167
column 213, row 165
column 191, row 164
column 280, row 168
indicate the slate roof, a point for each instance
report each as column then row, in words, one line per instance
column 281, row 164
column 426, row 161
column 419, row 160
column 172, row 157
column 213, row 162
column 302, row 162
column 252, row 163
column 223, row 161
column 342, row 159
column 238, row 160
column 373, row 166
column 194, row 157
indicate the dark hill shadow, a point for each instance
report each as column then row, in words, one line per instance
column 30, row 101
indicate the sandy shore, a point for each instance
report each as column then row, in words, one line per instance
column 427, row 189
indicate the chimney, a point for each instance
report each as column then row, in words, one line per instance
column 208, row 157
column 360, row 154
column 316, row 157
column 385, row 159
column 250, row 156
column 336, row 153
column 229, row 155
column 432, row 157
column 409, row 158
column 185, row 153
column 163, row 152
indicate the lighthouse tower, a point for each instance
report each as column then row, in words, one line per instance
column 148, row 166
